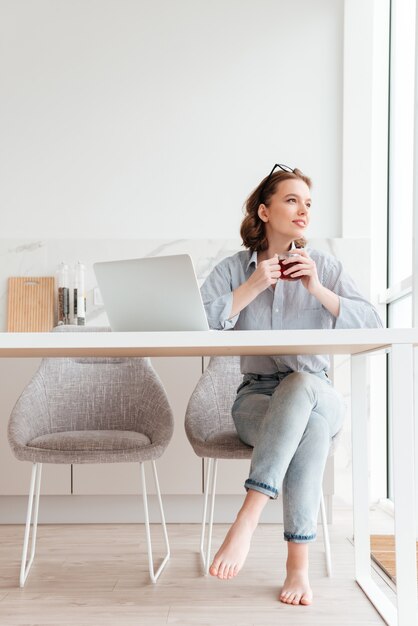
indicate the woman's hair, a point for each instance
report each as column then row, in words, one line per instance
column 253, row 229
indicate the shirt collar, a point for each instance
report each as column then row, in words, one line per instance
column 253, row 257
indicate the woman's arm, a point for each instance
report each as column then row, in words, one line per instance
column 307, row 271
column 223, row 303
column 266, row 273
column 328, row 299
column 338, row 293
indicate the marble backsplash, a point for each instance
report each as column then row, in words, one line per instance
column 41, row 258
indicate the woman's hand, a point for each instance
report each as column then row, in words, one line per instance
column 305, row 269
column 266, row 273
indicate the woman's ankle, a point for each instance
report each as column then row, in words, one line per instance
column 252, row 508
column 297, row 556
column 249, row 518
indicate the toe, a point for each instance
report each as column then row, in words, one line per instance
column 213, row 570
column 305, row 600
column 289, row 598
column 221, row 570
column 296, row 599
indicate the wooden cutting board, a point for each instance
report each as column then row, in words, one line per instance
column 30, row 304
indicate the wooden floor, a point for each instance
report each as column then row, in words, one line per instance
column 384, row 553
column 97, row 575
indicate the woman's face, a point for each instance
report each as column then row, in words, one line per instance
column 287, row 213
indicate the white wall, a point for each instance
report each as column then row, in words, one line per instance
column 155, row 118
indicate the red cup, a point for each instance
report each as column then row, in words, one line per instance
column 286, row 266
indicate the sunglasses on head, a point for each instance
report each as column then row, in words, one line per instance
column 284, row 168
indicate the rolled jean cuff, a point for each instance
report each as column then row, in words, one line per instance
column 262, row 488
column 298, row 538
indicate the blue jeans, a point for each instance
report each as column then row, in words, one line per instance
column 290, row 419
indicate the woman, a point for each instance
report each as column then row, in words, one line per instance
column 286, row 407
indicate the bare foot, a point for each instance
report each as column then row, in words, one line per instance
column 232, row 554
column 296, row 588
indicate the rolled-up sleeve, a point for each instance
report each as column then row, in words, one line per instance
column 217, row 297
column 355, row 310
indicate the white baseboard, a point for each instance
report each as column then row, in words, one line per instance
column 73, row 509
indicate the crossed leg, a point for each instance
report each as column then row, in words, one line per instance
column 307, row 431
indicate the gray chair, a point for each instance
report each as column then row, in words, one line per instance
column 91, row 410
column 212, row 434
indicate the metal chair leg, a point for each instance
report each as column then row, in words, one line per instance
column 326, row 536
column 154, row 575
column 210, row 484
column 35, row 486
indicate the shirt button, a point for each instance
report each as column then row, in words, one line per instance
column 276, row 310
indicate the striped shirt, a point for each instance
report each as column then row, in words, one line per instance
column 287, row 306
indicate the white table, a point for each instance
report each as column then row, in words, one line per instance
column 358, row 343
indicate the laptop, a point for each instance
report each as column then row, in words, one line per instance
column 151, row 294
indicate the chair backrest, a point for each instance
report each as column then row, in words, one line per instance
column 209, row 408
column 93, row 393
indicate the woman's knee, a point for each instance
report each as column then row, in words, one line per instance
column 298, row 383
column 299, row 378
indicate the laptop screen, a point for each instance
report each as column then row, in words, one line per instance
column 151, row 294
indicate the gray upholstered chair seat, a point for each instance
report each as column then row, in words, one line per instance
column 223, row 445
column 90, row 446
column 81, row 440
